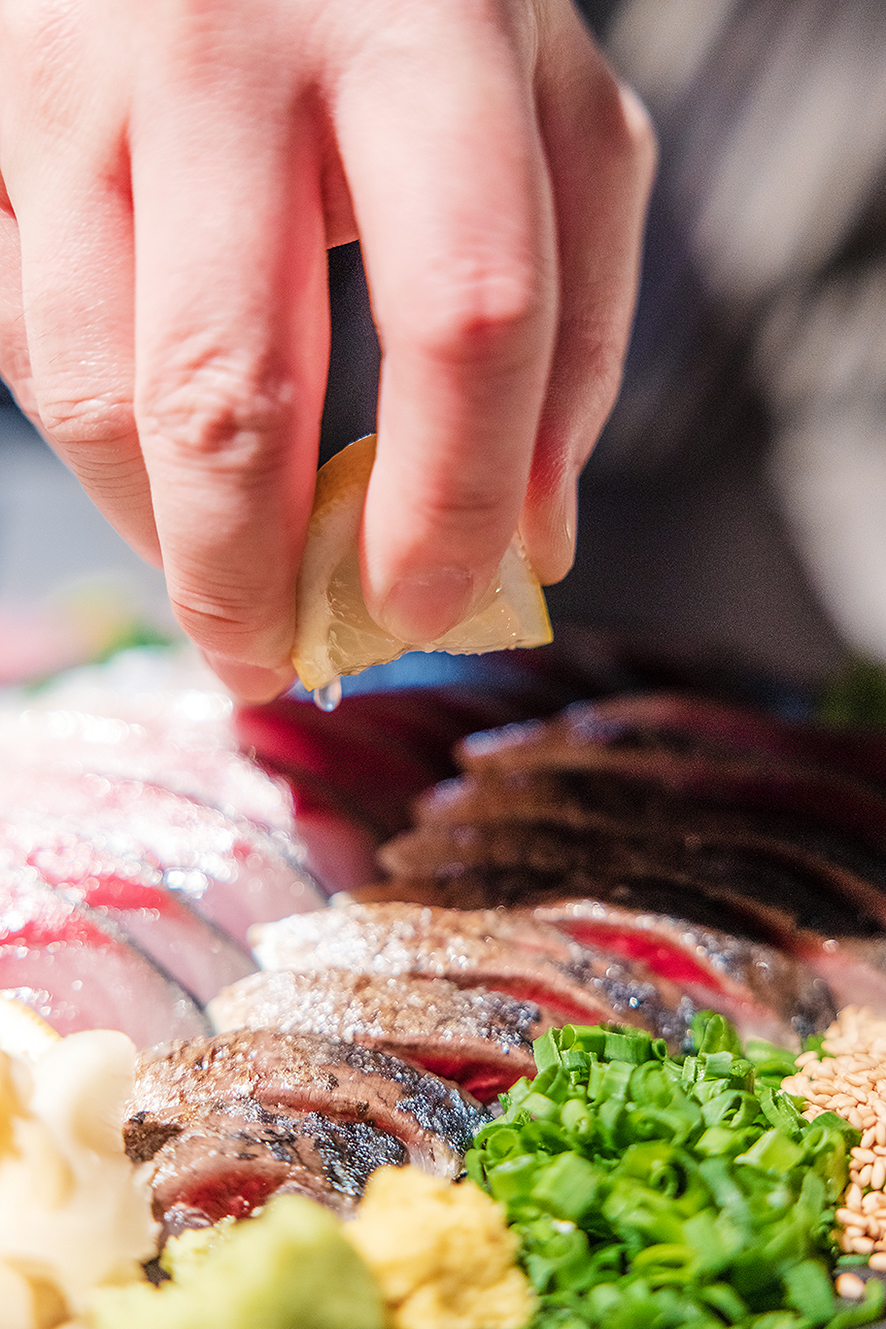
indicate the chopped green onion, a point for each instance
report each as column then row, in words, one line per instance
column 652, row 1192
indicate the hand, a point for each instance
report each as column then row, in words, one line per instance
column 173, row 172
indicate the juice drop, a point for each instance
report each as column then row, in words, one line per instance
column 328, row 697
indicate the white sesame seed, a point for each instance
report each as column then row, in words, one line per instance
column 850, row 1286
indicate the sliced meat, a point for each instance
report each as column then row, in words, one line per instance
column 252, row 1071
column 79, row 972
column 129, row 893
column 719, row 726
column 854, row 968
column 223, row 866
column 162, row 721
column 584, row 739
column 766, row 993
column 368, row 759
column 231, row 1161
column 480, row 1039
column 525, row 861
column 527, row 959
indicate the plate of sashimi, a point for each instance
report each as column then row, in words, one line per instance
column 541, row 988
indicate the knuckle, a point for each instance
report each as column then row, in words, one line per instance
column 216, row 408
column 218, row 618
column 74, row 420
column 473, row 509
column 477, row 311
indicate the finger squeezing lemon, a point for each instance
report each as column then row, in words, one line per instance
column 334, row 632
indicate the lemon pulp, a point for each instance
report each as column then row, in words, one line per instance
column 335, row 634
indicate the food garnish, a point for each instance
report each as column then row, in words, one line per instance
column 74, row 1213
column 290, row 1266
column 651, row 1190
column 24, row 1033
column 442, row 1253
column 848, row 1076
column 421, row 1254
column 334, row 633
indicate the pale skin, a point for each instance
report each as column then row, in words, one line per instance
column 171, row 175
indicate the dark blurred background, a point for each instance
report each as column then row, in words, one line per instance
column 736, row 503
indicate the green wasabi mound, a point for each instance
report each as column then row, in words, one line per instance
column 289, row 1267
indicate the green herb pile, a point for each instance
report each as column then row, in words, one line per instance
column 650, row 1192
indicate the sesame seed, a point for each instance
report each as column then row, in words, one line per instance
column 864, row 1155
column 849, row 1077
column 850, row 1286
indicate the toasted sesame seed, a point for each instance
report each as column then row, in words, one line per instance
column 850, row 1286
column 849, row 1077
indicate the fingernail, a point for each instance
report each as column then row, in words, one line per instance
column 252, row 683
column 562, row 521
column 421, row 607
column 565, row 533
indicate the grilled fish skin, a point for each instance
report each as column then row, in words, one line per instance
column 480, row 1039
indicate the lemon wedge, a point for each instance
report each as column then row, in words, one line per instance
column 23, row 1033
column 334, row 633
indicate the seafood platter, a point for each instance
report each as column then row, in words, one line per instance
column 548, row 988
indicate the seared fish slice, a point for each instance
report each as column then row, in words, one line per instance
column 480, row 1039
column 489, row 948
column 249, row 1073
column 230, row 1162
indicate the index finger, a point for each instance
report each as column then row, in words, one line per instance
column 456, row 219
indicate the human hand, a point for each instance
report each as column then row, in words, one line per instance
column 171, row 174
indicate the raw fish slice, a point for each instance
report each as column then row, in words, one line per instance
column 148, row 716
column 368, row 759
column 526, row 860
column 480, row 1039
column 232, row 872
column 763, row 991
column 130, row 893
column 79, row 971
column 126, row 721
column 720, row 726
